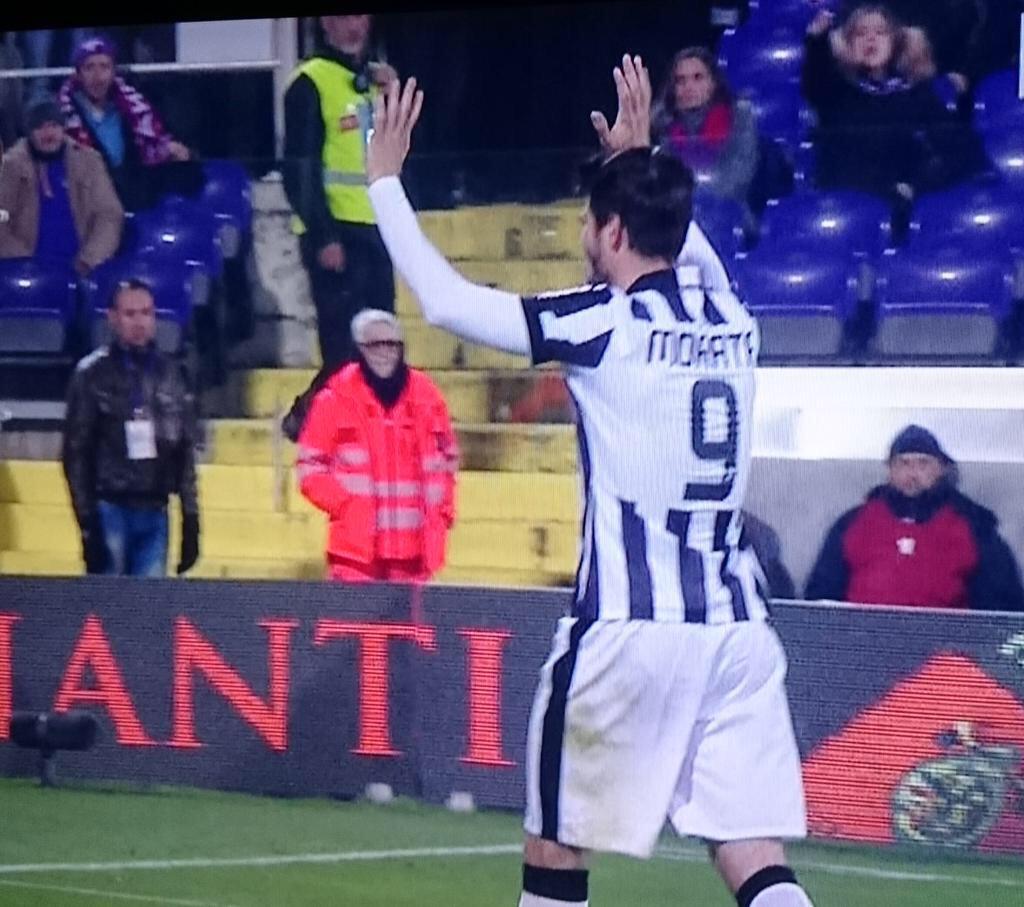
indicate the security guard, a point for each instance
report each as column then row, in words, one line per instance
column 328, row 112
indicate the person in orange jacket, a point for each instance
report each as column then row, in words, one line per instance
column 377, row 453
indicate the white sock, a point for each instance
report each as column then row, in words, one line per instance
column 784, row 894
column 535, row 900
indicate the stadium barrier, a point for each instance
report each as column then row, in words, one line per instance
column 910, row 722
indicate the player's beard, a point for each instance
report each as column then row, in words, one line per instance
column 594, row 272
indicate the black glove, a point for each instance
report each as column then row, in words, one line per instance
column 189, row 542
column 94, row 547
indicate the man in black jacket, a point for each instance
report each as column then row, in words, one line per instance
column 129, row 442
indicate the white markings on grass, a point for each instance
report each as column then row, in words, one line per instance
column 426, row 853
column 114, row 895
column 349, row 856
column 852, row 869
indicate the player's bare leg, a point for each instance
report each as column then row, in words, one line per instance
column 756, row 873
column 553, row 875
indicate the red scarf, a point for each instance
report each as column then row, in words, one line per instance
column 151, row 138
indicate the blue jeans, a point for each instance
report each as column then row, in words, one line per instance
column 136, row 540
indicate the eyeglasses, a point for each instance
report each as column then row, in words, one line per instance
column 379, row 345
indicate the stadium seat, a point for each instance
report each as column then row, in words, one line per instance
column 942, row 298
column 180, row 229
column 1005, row 148
column 851, row 221
column 987, row 210
column 722, row 220
column 996, row 102
column 802, row 297
column 762, row 54
column 780, row 111
column 228, row 194
column 173, row 292
column 38, row 301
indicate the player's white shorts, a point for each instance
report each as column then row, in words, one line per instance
column 638, row 721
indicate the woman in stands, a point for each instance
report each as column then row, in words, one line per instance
column 699, row 121
column 881, row 127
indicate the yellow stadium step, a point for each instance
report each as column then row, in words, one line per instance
column 518, row 448
column 485, row 447
column 34, row 563
column 483, row 496
column 505, row 231
column 221, row 487
column 266, row 392
column 523, row 277
column 431, row 348
column 45, row 563
column 230, row 535
column 488, row 578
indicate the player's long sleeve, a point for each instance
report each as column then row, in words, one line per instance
column 479, row 314
column 697, row 250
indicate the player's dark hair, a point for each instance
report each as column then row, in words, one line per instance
column 652, row 194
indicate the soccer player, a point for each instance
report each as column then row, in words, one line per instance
column 663, row 695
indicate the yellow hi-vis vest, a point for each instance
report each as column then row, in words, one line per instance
column 348, row 116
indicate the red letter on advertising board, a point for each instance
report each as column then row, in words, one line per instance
column 7, row 621
column 483, row 656
column 93, row 651
column 192, row 651
column 374, row 732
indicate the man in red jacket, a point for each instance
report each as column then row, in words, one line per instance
column 918, row 541
column 378, row 455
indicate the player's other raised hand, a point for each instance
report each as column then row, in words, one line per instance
column 632, row 127
column 395, row 112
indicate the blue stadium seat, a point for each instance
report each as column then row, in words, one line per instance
column 180, row 229
column 996, row 102
column 228, row 194
column 851, row 221
column 987, row 210
column 38, row 302
column 1005, row 148
column 942, row 298
column 762, row 53
column 722, row 220
column 780, row 111
column 173, row 293
column 802, row 297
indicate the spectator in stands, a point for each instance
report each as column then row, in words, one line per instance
column 918, row 541
column 327, row 115
column 62, row 204
column 881, row 127
column 106, row 113
column 699, row 121
column 378, row 455
column 129, row 442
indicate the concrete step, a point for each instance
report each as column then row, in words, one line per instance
column 485, row 447
column 231, row 535
column 266, row 392
column 523, row 277
column 472, row 397
column 481, row 495
column 34, row 563
column 505, row 231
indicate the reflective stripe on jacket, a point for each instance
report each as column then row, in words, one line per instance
column 385, row 479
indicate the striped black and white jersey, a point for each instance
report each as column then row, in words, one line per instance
column 662, row 375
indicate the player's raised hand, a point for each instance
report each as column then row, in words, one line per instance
column 395, row 112
column 632, row 127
